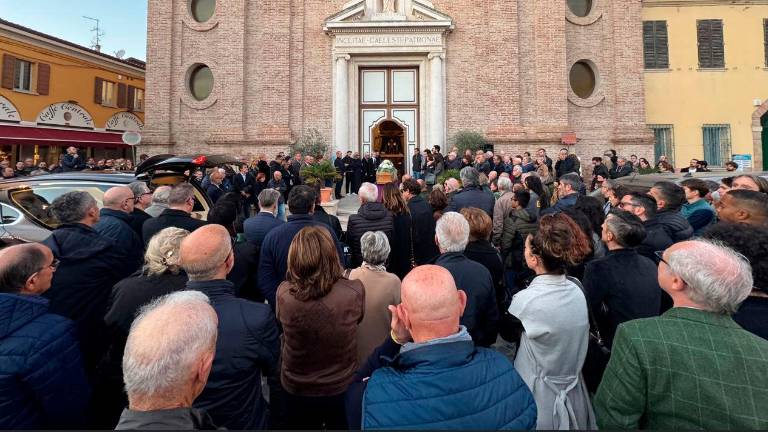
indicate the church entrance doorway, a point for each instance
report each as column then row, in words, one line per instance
column 764, row 124
column 389, row 113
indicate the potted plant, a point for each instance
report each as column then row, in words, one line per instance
column 451, row 173
column 386, row 173
column 318, row 174
column 468, row 140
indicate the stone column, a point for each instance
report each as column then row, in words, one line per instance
column 341, row 104
column 436, row 102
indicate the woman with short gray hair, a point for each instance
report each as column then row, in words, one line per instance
column 381, row 290
column 160, row 275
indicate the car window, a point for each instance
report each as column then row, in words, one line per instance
column 9, row 214
column 36, row 200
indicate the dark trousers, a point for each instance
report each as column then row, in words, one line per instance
column 348, row 186
column 356, row 182
column 338, row 187
column 324, row 412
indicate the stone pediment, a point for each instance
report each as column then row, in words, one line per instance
column 374, row 16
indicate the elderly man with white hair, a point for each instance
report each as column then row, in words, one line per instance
column 481, row 316
column 371, row 216
column 142, row 199
column 168, row 357
column 472, row 195
column 159, row 201
column 502, row 208
column 693, row 367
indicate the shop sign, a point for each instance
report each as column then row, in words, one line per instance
column 65, row 114
column 124, row 121
column 8, row 112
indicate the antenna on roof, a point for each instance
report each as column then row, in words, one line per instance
column 120, row 53
column 96, row 41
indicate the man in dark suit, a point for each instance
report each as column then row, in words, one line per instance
column 338, row 163
column 257, row 227
column 245, row 183
column 357, row 173
column 181, row 202
column 72, row 161
column 348, row 171
column 423, row 222
column 367, row 168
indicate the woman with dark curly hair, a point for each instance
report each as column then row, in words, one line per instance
column 438, row 200
column 553, row 313
column 752, row 242
column 319, row 310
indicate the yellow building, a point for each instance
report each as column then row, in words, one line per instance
column 706, row 79
column 55, row 93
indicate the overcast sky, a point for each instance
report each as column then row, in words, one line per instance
column 124, row 22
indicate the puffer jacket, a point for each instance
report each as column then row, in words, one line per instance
column 517, row 227
column 372, row 216
column 448, row 386
column 675, row 225
column 42, row 381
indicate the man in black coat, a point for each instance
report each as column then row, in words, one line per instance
column 181, row 202
column 248, row 346
column 566, row 163
column 472, row 195
column 669, row 198
column 416, row 163
column 621, row 169
column 368, row 169
column 338, row 163
column 356, row 167
column 481, row 316
column 423, row 222
column 90, row 265
column 348, row 174
column 371, row 216
column 656, row 237
column 599, row 171
column 115, row 224
column 72, row 161
column 245, row 183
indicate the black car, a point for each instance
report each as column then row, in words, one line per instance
column 25, row 201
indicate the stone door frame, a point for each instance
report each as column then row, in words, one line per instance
column 757, row 138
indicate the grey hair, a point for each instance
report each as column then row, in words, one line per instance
column 161, row 195
column 452, row 232
column 504, row 184
column 157, row 363
column 268, row 197
column 139, row 188
column 718, row 277
column 482, row 179
column 572, row 179
column 368, row 192
column 163, row 252
column 73, row 206
column 469, row 176
column 180, row 194
column 375, row 247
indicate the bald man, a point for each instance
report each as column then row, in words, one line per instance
column 743, row 206
column 248, row 345
column 43, row 382
column 115, row 223
column 439, row 379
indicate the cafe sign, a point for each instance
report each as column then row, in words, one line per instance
column 124, row 121
column 8, row 111
column 65, row 114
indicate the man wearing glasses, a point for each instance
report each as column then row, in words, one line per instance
column 115, row 223
column 142, row 199
column 656, row 238
column 43, row 382
column 693, row 367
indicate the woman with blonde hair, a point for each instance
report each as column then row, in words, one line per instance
column 160, row 275
column 319, row 311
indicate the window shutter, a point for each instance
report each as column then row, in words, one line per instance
column 43, row 78
column 765, row 39
column 718, row 49
column 9, row 69
column 662, row 45
column 649, row 49
column 97, row 89
column 704, row 38
column 131, row 98
column 122, row 96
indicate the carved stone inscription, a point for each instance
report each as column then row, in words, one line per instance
column 375, row 40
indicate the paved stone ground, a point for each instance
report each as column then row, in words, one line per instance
column 348, row 205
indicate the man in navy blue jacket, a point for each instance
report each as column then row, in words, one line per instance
column 568, row 188
column 438, row 378
column 247, row 347
column 115, row 224
column 42, row 380
column 273, row 262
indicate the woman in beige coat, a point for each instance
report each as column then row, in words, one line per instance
column 381, row 290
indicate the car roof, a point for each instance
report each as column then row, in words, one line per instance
column 105, row 176
column 637, row 181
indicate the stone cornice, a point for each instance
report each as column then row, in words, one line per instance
column 693, row 3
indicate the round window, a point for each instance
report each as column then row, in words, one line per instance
column 201, row 82
column 580, row 8
column 583, row 79
column 202, row 10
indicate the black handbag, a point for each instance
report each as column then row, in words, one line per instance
column 598, row 352
column 430, row 179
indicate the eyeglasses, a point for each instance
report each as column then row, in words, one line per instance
column 660, row 256
column 627, row 204
column 53, row 266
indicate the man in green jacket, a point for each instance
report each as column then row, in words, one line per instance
column 693, row 367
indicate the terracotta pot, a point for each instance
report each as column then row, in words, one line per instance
column 325, row 195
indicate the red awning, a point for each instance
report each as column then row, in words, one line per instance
column 59, row 137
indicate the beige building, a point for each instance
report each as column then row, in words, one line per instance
column 246, row 77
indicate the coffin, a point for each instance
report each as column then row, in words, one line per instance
column 384, row 178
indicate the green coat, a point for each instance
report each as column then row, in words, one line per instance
column 687, row 369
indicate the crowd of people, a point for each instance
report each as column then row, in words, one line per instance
column 522, row 293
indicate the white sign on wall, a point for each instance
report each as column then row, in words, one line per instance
column 65, row 114
column 124, row 121
column 8, row 111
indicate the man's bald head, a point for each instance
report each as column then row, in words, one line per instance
column 119, row 198
column 19, row 263
column 432, row 304
column 205, row 253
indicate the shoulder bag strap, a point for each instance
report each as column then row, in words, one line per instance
column 594, row 330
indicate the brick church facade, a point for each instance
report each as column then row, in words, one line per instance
column 246, row 77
